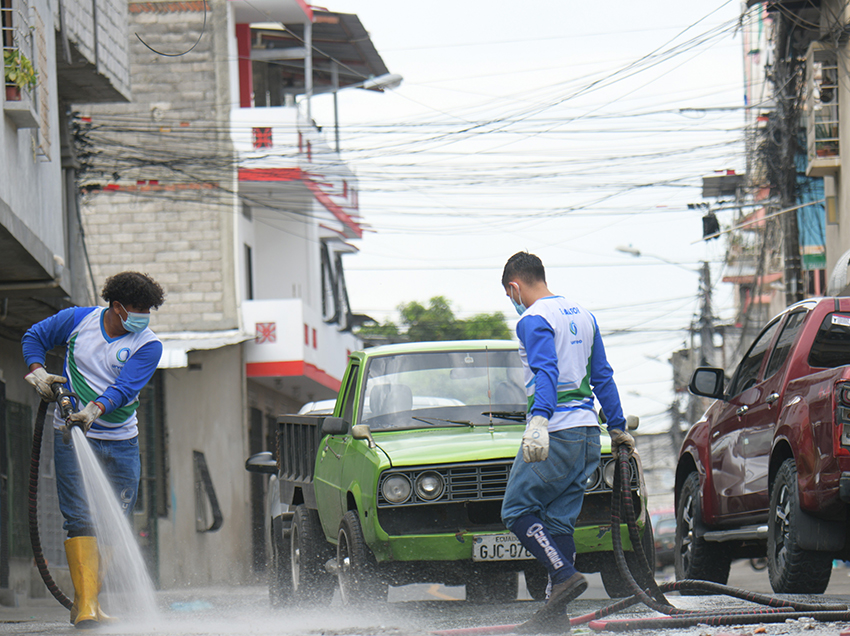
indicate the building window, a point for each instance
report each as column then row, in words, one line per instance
column 262, row 137
column 249, row 274
column 315, row 339
column 306, row 334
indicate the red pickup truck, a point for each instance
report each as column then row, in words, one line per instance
column 766, row 470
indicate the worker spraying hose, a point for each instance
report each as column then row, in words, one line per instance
column 111, row 354
column 565, row 366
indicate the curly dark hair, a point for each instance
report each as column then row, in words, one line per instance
column 133, row 288
column 524, row 266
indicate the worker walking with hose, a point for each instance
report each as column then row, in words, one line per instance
column 111, row 354
column 565, row 365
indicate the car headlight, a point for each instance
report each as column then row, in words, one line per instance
column 430, row 486
column 608, row 473
column 396, row 489
column 593, row 480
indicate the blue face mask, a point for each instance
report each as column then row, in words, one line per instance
column 520, row 308
column 135, row 323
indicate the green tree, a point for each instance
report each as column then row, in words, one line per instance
column 436, row 322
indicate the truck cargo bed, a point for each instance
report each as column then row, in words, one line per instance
column 298, row 438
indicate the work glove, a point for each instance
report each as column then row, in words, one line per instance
column 619, row 437
column 43, row 383
column 84, row 418
column 535, row 440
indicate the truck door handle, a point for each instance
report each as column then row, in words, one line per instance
column 770, row 399
column 741, row 411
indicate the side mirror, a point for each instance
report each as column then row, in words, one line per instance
column 708, row 382
column 362, row 431
column 261, row 463
column 632, row 422
column 334, row 426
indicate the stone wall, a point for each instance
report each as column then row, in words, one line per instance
column 159, row 190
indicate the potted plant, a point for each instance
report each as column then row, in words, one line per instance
column 18, row 72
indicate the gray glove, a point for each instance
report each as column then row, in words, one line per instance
column 43, row 383
column 619, row 437
column 84, row 418
column 535, row 440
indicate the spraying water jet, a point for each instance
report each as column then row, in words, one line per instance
column 110, row 560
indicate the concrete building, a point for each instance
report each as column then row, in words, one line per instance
column 216, row 182
column 79, row 52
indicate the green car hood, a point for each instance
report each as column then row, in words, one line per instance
column 453, row 445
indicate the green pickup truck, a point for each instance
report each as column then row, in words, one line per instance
column 404, row 482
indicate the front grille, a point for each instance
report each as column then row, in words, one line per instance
column 463, row 482
column 485, row 481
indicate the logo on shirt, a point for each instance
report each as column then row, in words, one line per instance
column 123, row 355
column 573, row 328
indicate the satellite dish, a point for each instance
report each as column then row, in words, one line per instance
column 838, row 277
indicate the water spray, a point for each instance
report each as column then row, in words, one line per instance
column 131, row 581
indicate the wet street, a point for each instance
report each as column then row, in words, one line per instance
column 411, row 611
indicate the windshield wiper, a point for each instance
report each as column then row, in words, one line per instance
column 518, row 416
column 431, row 420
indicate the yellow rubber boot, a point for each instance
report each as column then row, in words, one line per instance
column 83, row 562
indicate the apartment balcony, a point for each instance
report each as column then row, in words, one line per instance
column 294, row 351
column 822, row 129
column 286, row 164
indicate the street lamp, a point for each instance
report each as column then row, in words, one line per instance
column 387, row 81
column 628, row 249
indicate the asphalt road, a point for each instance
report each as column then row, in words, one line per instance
column 411, row 611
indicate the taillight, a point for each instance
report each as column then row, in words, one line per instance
column 841, row 440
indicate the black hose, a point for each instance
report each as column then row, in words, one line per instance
column 653, row 596
column 38, row 554
column 779, row 610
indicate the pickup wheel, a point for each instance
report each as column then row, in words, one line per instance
column 309, row 553
column 792, row 570
column 280, row 577
column 356, row 566
column 615, row 585
column 493, row 587
column 694, row 557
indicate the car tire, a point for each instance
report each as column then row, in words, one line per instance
column 694, row 557
column 357, row 569
column 493, row 587
column 309, row 552
column 792, row 570
column 536, row 580
column 615, row 585
column 279, row 572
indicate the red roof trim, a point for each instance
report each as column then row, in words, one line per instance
column 297, row 174
column 292, row 368
column 271, row 174
column 334, row 209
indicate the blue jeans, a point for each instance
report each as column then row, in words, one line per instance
column 553, row 490
column 121, row 464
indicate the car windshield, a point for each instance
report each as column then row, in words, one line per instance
column 457, row 388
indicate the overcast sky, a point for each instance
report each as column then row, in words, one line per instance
column 553, row 127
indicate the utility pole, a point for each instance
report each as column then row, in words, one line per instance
column 706, row 324
column 789, row 84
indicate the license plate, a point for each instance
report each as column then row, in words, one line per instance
column 498, row 547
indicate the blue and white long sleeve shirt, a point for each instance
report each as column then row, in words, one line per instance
column 565, row 366
column 111, row 371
